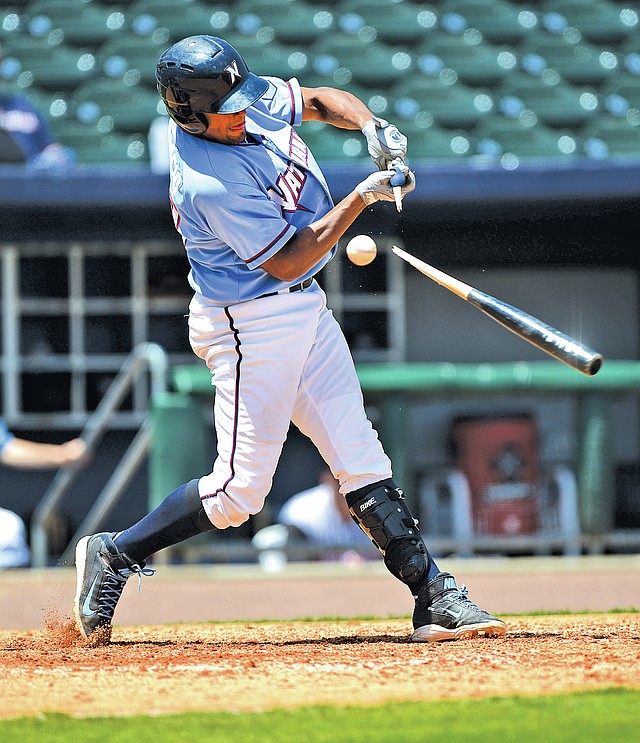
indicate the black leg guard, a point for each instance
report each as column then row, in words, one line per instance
column 383, row 515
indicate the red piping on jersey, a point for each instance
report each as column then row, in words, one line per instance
column 269, row 246
column 234, row 437
column 293, row 104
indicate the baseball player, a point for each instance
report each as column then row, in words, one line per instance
column 258, row 223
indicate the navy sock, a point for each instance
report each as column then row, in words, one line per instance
column 178, row 517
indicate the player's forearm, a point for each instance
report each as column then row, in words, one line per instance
column 35, row 455
column 309, row 245
column 336, row 107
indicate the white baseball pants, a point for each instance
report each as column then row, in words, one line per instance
column 275, row 360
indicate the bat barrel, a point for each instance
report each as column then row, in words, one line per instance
column 539, row 334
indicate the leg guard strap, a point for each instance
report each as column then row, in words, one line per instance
column 383, row 515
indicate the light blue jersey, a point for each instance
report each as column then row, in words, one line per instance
column 237, row 205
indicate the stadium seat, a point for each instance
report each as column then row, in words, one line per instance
column 85, row 24
column 597, row 20
column 54, row 67
column 438, row 144
column 292, row 22
column 370, row 63
column 621, row 93
column 501, row 135
column 612, row 137
column 395, row 23
column 577, row 60
column 556, row 103
column 329, row 144
column 132, row 107
column 12, row 22
column 180, row 18
column 93, row 147
column 130, row 51
column 476, row 62
column 273, row 59
column 498, row 21
column 452, row 106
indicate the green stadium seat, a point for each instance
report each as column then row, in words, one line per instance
column 292, row 22
column 84, row 24
column 599, row 20
column 612, row 137
column 437, row 144
column 131, row 52
column 500, row 136
column 12, row 22
column 622, row 93
column 370, row 63
column 93, row 147
column 395, row 23
column 452, row 106
column 475, row 61
column 498, row 21
column 180, row 18
column 557, row 103
column 273, row 59
column 329, row 144
column 132, row 107
column 577, row 60
column 52, row 67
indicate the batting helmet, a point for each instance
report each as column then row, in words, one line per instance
column 205, row 74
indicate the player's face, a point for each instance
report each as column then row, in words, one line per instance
column 226, row 128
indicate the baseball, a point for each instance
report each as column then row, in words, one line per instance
column 361, row 250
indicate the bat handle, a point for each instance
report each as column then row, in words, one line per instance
column 397, row 181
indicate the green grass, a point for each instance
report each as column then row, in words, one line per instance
column 611, row 715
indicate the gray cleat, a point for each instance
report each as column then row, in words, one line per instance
column 443, row 612
column 101, row 572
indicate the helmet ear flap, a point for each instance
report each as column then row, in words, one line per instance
column 197, row 123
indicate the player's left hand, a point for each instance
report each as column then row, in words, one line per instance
column 377, row 186
column 384, row 142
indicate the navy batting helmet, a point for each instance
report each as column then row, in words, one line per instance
column 205, row 74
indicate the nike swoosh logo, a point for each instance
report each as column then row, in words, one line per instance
column 86, row 607
column 455, row 613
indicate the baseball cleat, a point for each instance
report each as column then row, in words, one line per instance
column 101, row 573
column 443, row 612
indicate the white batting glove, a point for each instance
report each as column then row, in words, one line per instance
column 376, row 187
column 384, row 142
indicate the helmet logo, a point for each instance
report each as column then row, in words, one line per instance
column 233, row 72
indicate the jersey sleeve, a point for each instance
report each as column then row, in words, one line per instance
column 284, row 100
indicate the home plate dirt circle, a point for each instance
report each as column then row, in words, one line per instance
column 256, row 666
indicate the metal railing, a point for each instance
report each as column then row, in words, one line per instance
column 144, row 356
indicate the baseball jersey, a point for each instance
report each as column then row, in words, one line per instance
column 25, row 130
column 6, row 437
column 236, row 206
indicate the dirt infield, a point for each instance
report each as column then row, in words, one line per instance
column 153, row 668
column 246, row 667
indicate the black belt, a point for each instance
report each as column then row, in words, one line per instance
column 295, row 288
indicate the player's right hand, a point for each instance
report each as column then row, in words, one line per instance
column 376, row 187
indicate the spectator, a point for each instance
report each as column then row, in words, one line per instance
column 25, row 136
column 23, row 454
column 320, row 516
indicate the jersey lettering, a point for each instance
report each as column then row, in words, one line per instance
column 298, row 150
column 288, row 188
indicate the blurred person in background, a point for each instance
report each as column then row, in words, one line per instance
column 319, row 518
column 23, row 454
column 25, row 135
